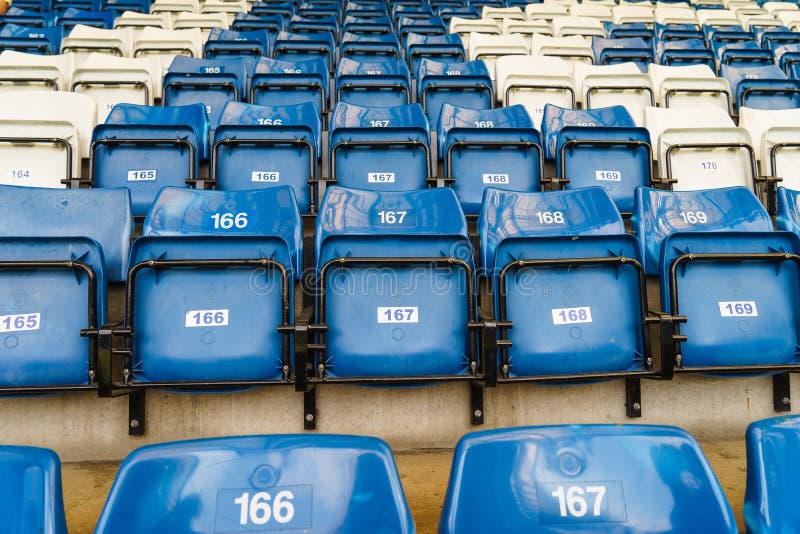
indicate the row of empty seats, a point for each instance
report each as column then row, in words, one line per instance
column 628, row 478
column 210, row 299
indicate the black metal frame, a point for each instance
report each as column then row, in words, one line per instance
column 630, row 54
column 422, row 54
column 376, row 87
column 524, row 145
column 63, row 143
column 615, row 88
column 376, row 144
column 108, row 387
column 562, row 181
column 23, row 46
column 534, row 86
column 690, row 91
column 91, row 290
column 668, row 180
column 164, row 50
column 747, row 91
column 230, row 50
column 49, row 82
column 303, row 49
column 313, row 181
column 310, row 341
column 115, row 50
column 271, row 84
column 114, row 83
column 494, row 335
column 191, row 83
column 702, row 56
column 184, row 143
column 780, row 382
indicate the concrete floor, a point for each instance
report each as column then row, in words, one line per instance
column 424, row 475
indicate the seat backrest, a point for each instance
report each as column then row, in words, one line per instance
column 256, row 483
column 30, row 481
column 603, row 478
column 555, row 118
column 103, row 215
column 772, row 456
column 507, row 216
column 178, row 212
column 788, row 216
column 272, row 118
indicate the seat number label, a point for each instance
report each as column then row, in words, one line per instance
column 738, row 308
column 20, row 173
column 274, row 508
column 591, row 502
column 143, row 175
column 608, row 176
column 406, row 217
column 380, row 177
column 195, row 318
column 572, row 315
column 495, row 178
column 398, row 314
column 266, row 176
column 20, row 323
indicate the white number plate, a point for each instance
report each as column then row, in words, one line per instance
column 20, row 323
column 265, row 176
column 495, row 178
column 195, row 318
column 398, row 314
column 380, row 177
column 738, row 308
column 146, row 175
column 572, row 315
column 608, row 176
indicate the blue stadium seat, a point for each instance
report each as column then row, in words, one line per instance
column 466, row 85
column 212, row 82
column 658, row 214
column 223, row 43
column 96, row 19
column 30, row 39
column 304, row 47
column 411, row 326
column 787, row 56
column 622, row 50
column 42, row 6
column 742, row 54
column 671, row 32
column 210, row 283
column 570, row 250
column 259, row 483
column 145, row 148
column 284, row 9
column 447, row 48
column 716, row 35
column 628, row 30
column 684, row 52
column 364, row 25
column 58, row 251
column 267, row 146
column 287, row 83
column 556, row 118
column 379, row 148
column 618, row 159
column 121, row 6
column 376, row 84
column 788, row 216
column 30, row 482
column 461, row 11
column 772, row 452
column 772, row 37
column 372, row 10
column 369, row 46
column 314, row 26
column 497, row 148
column 421, row 26
column 583, row 478
column 32, row 19
column 246, row 22
column 765, row 87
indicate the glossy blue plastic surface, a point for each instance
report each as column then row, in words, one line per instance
column 657, row 214
column 30, row 483
column 685, row 52
column 627, row 30
column 425, row 25
column 171, row 164
column 317, row 24
column 555, row 118
column 170, row 341
column 355, row 24
column 211, row 82
column 742, row 54
column 22, row 17
column 788, row 57
column 251, row 166
column 394, row 167
column 423, row 224
column 370, row 47
column 324, row 483
column 622, row 50
column 466, row 85
column 272, row 24
column 373, row 83
column 101, row 215
column 285, row 83
column 664, row 32
column 439, row 47
column 516, row 226
column 770, row 502
column 788, row 215
column 228, row 42
column 304, row 46
column 651, row 478
column 764, row 87
column 54, row 353
column 619, row 168
column 31, row 39
column 71, row 17
column 768, row 332
column 478, row 165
